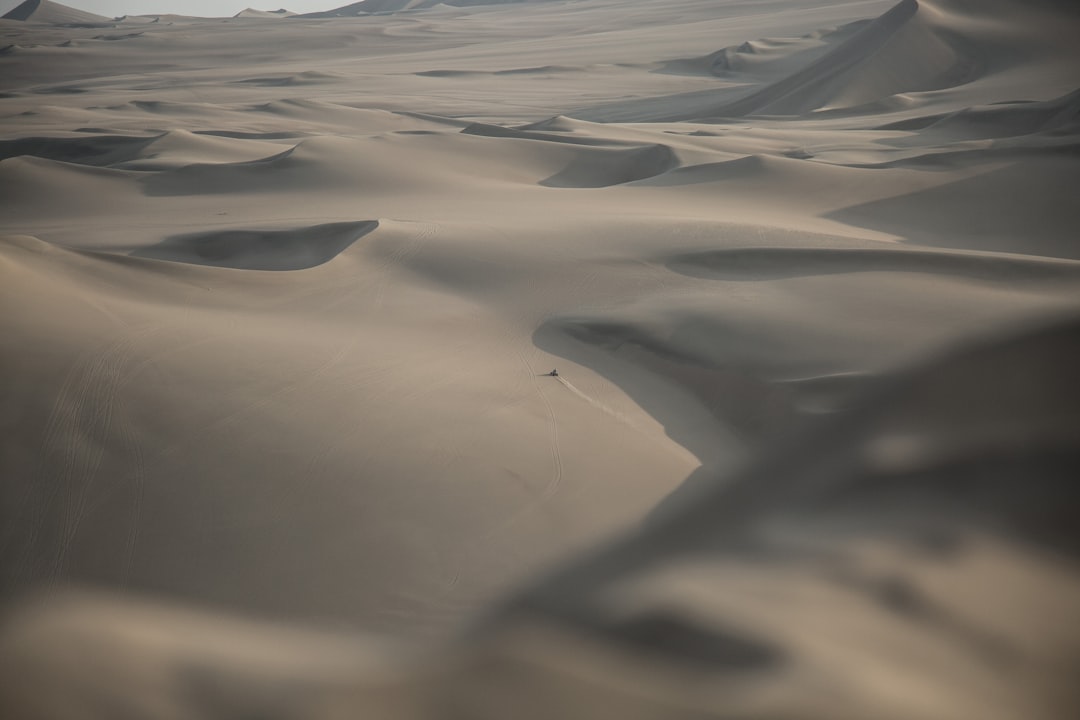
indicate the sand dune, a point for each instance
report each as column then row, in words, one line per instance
column 252, row 13
column 279, row 300
column 894, row 62
column 44, row 11
column 902, row 51
column 754, row 263
column 366, row 7
column 293, row 249
column 173, row 148
column 804, row 588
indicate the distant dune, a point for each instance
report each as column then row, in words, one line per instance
column 917, row 47
column 264, row 14
column 44, row 11
column 367, row 7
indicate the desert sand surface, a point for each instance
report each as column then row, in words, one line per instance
column 279, row 296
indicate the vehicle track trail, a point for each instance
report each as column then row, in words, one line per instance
column 397, row 259
column 73, row 446
column 594, row 402
column 552, row 487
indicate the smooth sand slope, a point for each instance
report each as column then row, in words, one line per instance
column 912, row 557
column 251, row 13
column 44, row 11
column 277, row 300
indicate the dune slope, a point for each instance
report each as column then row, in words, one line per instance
column 46, row 11
column 279, row 302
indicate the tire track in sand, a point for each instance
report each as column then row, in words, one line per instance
column 102, row 395
column 556, row 453
column 594, row 402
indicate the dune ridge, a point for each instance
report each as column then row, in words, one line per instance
column 46, row 11
column 366, row 7
column 295, row 249
column 914, row 49
column 264, row 14
column 861, row 70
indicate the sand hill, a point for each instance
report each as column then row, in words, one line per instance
column 367, row 7
column 264, row 14
column 45, row 11
column 912, row 50
column 280, row 301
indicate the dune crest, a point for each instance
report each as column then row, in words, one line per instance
column 371, row 7
column 46, row 11
column 252, row 13
column 863, row 69
column 294, row 249
column 911, row 54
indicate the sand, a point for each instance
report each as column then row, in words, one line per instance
column 278, row 300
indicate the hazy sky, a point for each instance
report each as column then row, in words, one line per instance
column 208, row 8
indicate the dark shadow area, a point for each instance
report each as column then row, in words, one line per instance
column 771, row 263
column 295, row 249
column 101, row 151
column 674, row 638
column 983, row 439
column 617, row 353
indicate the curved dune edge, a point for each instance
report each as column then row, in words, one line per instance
column 45, row 11
column 757, row 263
column 292, row 249
column 277, row 249
column 368, row 7
column 170, row 149
column 251, row 13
